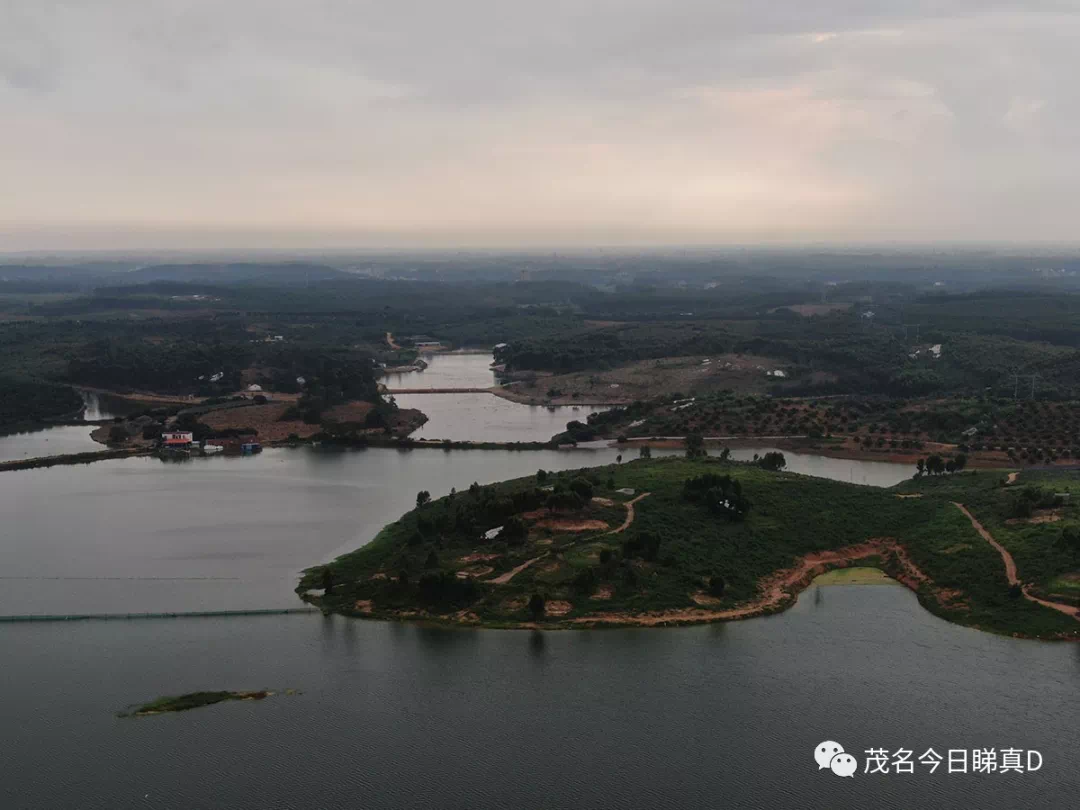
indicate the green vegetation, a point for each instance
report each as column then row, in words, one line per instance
column 707, row 533
column 192, row 700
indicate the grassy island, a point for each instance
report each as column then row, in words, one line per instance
column 193, row 700
column 675, row 541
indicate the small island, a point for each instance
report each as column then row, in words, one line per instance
column 684, row 540
column 192, row 700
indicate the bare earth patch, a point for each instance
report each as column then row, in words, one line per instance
column 558, row 608
column 475, row 558
column 1040, row 516
column 364, row 606
column 703, row 599
column 474, row 571
column 603, row 593
column 502, row 579
column 559, row 525
column 603, row 501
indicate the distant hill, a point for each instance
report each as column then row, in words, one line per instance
column 287, row 273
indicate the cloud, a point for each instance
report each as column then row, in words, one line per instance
column 508, row 122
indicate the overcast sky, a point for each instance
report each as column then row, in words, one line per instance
column 337, row 123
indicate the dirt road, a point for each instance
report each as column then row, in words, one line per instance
column 629, row 514
column 1010, row 568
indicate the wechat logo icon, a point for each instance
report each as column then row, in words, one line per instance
column 831, row 755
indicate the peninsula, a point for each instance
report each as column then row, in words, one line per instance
column 678, row 540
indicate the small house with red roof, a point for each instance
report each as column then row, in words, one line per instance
column 178, row 440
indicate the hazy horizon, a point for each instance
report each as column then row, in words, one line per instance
column 506, row 125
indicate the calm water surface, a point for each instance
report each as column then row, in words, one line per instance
column 447, row 370
column 53, row 441
column 488, row 418
column 400, row 716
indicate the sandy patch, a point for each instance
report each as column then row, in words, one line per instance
column 379, row 575
column 912, row 495
column 603, row 501
column 364, row 606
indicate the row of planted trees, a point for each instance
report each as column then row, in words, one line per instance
column 939, row 465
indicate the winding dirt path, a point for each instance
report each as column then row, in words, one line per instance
column 1010, row 564
column 502, row 579
column 629, row 514
column 1012, row 478
column 390, row 341
column 1010, row 567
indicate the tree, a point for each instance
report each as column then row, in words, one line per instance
column 582, row 487
column 564, row 501
column 514, row 531
column 960, row 462
column 695, row 445
column 774, row 461
column 117, row 435
column 716, row 585
column 327, row 580
column 935, row 465
column 920, row 467
column 725, row 454
column 645, row 452
column 432, row 560
column 541, row 477
column 423, row 498
column 537, row 606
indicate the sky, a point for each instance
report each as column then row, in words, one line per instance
column 129, row 124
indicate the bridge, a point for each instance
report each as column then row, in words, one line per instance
column 439, row 390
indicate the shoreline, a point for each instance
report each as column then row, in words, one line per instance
column 778, row 592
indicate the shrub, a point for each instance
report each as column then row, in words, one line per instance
column 537, row 605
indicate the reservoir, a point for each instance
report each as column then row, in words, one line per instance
column 402, row 716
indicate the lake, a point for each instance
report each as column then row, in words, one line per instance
column 403, row 716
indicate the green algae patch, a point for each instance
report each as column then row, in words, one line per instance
column 857, row 575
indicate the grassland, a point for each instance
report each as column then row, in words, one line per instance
column 681, row 561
